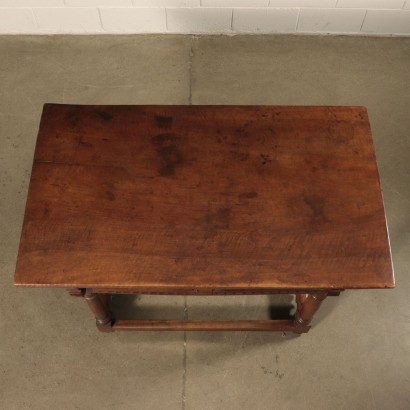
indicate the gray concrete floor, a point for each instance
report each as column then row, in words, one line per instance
column 357, row 356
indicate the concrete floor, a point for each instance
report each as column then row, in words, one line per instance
column 357, row 356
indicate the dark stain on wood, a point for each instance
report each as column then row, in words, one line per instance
column 85, row 144
column 248, row 195
column 168, row 152
column 105, row 116
column 265, row 159
column 317, row 205
column 110, row 195
column 73, row 120
column 216, row 220
column 163, row 121
column 220, row 139
column 241, row 156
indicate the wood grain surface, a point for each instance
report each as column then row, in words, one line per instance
column 204, row 197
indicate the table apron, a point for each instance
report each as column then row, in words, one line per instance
column 208, row 291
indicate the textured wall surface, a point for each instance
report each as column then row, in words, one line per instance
column 205, row 16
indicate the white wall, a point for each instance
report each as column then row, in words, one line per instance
column 205, row 16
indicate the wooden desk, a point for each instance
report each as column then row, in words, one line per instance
column 204, row 200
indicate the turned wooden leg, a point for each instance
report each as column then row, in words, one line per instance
column 307, row 306
column 100, row 310
column 105, row 298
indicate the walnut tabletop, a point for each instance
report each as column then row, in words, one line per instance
column 204, row 199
